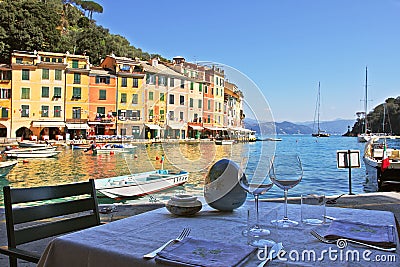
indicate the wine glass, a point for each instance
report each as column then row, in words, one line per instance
column 257, row 183
column 286, row 172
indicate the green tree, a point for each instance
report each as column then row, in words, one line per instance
column 28, row 25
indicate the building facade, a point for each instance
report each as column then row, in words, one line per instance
column 130, row 101
column 60, row 95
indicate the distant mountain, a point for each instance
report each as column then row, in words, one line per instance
column 281, row 127
column 332, row 127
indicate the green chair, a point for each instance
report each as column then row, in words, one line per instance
column 41, row 212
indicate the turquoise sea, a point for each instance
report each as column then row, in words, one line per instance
column 318, row 156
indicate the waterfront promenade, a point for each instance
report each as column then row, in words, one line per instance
column 388, row 201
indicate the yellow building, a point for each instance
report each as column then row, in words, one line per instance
column 5, row 100
column 130, row 95
column 76, row 109
column 37, row 94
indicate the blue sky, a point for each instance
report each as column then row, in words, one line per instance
column 284, row 46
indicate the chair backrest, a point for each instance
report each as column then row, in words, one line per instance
column 40, row 212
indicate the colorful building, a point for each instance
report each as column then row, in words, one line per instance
column 166, row 96
column 57, row 95
column 76, row 109
column 195, row 103
column 130, row 102
column 37, row 94
column 5, row 100
column 102, row 102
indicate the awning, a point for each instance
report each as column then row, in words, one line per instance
column 48, row 124
column 100, row 122
column 75, row 126
column 196, row 127
column 215, row 128
column 176, row 126
column 153, row 126
column 239, row 129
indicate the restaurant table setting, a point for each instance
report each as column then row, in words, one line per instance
column 124, row 242
column 227, row 229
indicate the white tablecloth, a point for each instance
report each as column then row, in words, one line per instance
column 124, row 242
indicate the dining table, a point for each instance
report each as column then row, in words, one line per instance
column 125, row 241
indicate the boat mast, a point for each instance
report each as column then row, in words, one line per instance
column 319, row 104
column 366, row 100
column 384, row 117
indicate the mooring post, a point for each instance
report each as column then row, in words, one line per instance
column 349, row 166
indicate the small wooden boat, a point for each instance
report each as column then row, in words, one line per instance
column 6, row 166
column 140, row 184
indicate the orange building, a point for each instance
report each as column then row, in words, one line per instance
column 102, row 102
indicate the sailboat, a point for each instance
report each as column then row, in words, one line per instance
column 364, row 137
column 319, row 133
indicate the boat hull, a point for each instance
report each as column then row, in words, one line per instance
column 320, row 134
column 377, row 179
column 31, row 153
column 141, row 184
column 6, row 166
column 30, row 144
column 224, row 142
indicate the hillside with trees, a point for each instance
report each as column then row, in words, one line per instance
column 60, row 26
column 380, row 121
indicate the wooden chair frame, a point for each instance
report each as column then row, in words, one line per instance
column 76, row 208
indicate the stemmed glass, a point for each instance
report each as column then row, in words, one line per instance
column 286, row 172
column 256, row 184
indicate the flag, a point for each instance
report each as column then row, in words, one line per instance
column 385, row 159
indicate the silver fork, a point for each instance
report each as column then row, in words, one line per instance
column 328, row 241
column 185, row 232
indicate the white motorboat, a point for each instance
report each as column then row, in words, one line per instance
column 6, row 166
column 378, row 177
column 224, row 142
column 140, row 184
column 111, row 148
column 40, row 152
column 32, row 144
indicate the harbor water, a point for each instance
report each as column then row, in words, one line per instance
column 318, row 156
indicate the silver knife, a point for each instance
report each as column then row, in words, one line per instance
column 273, row 253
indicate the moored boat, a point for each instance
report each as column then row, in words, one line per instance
column 274, row 139
column 252, row 136
column 140, row 184
column 6, row 166
column 319, row 133
column 224, row 142
column 32, row 152
column 32, row 144
column 377, row 149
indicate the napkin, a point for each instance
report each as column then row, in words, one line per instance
column 199, row 252
column 380, row 235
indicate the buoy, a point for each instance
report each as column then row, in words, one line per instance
column 25, row 161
